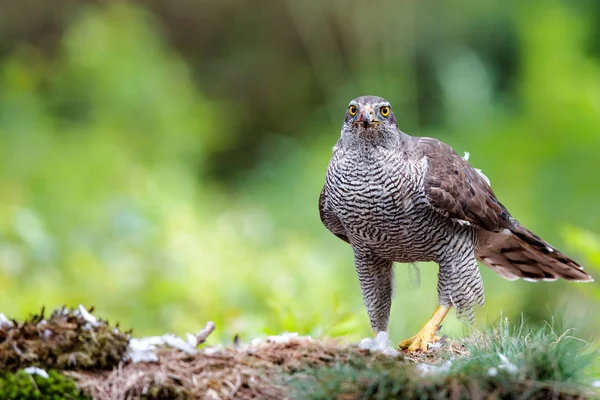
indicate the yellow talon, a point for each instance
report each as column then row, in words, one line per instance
column 427, row 333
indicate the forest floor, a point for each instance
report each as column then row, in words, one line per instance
column 72, row 354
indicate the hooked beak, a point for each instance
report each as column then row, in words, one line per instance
column 367, row 117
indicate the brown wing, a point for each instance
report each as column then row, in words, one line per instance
column 456, row 189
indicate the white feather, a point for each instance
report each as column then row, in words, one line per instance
column 485, row 178
column 36, row 371
column 507, row 365
column 550, row 279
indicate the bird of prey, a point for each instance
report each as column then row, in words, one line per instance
column 399, row 198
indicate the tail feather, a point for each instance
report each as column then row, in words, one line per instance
column 519, row 253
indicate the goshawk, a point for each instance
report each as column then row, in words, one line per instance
column 394, row 197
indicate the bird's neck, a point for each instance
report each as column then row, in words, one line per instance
column 373, row 144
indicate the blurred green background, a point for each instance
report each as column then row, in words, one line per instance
column 162, row 160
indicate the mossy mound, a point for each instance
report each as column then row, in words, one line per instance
column 87, row 358
column 66, row 340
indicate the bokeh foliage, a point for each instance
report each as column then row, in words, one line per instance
column 162, row 161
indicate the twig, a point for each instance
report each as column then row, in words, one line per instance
column 204, row 333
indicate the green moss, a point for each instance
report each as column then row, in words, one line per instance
column 63, row 341
column 22, row 386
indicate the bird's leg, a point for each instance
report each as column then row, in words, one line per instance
column 375, row 275
column 427, row 333
column 459, row 285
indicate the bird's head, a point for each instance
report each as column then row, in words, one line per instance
column 370, row 120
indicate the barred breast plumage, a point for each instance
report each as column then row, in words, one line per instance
column 394, row 197
column 379, row 199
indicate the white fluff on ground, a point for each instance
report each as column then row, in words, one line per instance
column 36, row 371
column 5, row 322
column 507, row 365
column 381, row 343
column 284, row 337
column 429, row 369
column 142, row 349
column 90, row 320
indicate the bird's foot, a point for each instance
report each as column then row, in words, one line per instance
column 421, row 340
column 428, row 332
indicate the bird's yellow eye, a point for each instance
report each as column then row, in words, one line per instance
column 353, row 110
column 385, row 111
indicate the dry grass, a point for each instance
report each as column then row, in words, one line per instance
column 241, row 373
